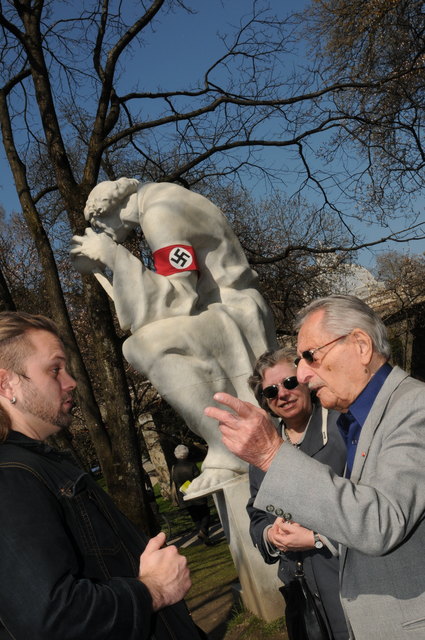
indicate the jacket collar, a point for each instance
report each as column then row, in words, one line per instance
column 313, row 440
column 38, row 446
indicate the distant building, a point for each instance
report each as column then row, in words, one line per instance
column 356, row 280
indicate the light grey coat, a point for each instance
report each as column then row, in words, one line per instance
column 377, row 515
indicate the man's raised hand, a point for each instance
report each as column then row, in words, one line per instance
column 247, row 431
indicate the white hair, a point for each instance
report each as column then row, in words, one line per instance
column 343, row 313
column 181, row 452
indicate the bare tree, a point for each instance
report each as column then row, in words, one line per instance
column 379, row 44
column 403, row 279
column 266, row 226
column 69, row 118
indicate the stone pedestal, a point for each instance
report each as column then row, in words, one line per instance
column 259, row 584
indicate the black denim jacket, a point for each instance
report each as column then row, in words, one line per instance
column 69, row 558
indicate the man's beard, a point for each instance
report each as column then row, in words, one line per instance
column 35, row 405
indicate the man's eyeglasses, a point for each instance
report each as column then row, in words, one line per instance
column 308, row 355
column 272, row 391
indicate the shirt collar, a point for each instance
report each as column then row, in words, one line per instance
column 18, row 438
column 363, row 403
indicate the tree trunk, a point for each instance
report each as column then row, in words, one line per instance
column 156, row 453
column 116, row 446
column 6, row 300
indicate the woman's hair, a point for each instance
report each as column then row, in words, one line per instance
column 265, row 361
column 343, row 314
column 16, row 346
column 181, row 452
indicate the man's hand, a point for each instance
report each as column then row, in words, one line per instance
column 93, row 251
column 248, row 432
column 290, row 536
column 164, row 572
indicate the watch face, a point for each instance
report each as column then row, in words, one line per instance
column 318, row 544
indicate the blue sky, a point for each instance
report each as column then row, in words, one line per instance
column 180, row 50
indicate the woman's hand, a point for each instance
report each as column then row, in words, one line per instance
column 290, row 536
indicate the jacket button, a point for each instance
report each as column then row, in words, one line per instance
column 287, row 516
column 279, row 512
column 270, row 508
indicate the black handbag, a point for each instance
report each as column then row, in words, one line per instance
column 303, row 618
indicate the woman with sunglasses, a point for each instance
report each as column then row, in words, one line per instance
column 313, row 430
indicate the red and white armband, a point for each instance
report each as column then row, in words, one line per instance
column 174, row 259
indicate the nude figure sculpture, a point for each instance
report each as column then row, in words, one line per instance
column 198, row 322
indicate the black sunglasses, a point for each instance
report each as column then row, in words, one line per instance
column 308, row 356
column 272, row 391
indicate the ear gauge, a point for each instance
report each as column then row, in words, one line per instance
column 13, row 400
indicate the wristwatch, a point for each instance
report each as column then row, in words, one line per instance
column 318, row 544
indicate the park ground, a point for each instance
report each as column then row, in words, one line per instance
column 213, row 598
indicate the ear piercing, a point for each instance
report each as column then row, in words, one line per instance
column 13, row 400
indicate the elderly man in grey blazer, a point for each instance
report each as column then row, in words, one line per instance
column 376, row 511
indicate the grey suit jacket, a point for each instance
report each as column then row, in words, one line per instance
column 377, row 515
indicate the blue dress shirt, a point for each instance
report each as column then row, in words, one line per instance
column 350, row 424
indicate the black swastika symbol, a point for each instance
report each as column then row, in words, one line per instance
column 180, row 258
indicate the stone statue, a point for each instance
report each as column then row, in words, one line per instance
column 198, row 321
